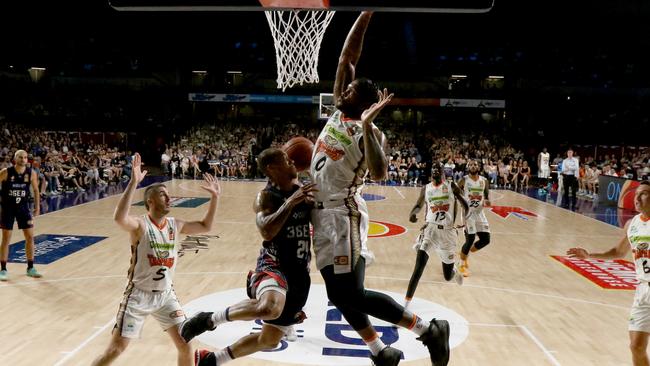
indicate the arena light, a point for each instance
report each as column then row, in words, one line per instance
column 200, row 72
column 37, row 68
column 233, row 72
column 459, row 76
column 495, row 77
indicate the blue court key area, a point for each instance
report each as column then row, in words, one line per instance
column 49, row 248
column 373, row 197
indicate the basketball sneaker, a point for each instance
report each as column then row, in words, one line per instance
column 458, row 276
column 204, row 357
column 436, row 339
column 291, row 334
column 388, row 356
column 464, row 268
column 196, row 325
column 4, row 275
column 32, row 272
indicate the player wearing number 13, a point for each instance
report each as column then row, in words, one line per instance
column 154, row 253
column 440, row 197
column 637, row 238
column 279, row 286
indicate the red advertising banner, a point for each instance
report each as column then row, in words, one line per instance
column 617, row 274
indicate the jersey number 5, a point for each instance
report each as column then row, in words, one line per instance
column 161, row 273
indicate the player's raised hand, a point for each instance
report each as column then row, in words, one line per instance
column 580, row 253
column 137, row 174
column 372, row 112
column 211, row 184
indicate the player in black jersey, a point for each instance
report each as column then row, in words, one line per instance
column 279, row 286
column 15, row 194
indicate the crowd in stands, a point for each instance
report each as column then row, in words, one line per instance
column 63, row 162
column 229, row 151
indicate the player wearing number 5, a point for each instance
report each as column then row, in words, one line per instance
column 476, row 190
column 637, row 238
column 440, row 197
column 15, row 194
column 279, row 286
column 154, row 253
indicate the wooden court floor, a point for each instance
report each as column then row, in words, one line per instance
column 521, row 306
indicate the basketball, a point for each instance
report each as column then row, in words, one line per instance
column 299, row 150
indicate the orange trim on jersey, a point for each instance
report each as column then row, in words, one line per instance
column 371, row 339
column 346, row 119
column 156, row 225
column 413, row 323
column 644, row 219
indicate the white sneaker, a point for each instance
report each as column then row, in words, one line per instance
column 291, row 334
column 458, row 277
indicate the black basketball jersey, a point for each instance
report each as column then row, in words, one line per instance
column 292, row 245
column 15, row 189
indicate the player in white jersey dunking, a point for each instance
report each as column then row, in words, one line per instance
column 439, row 197
column 637, row 238
column 544, row 169
column 349, row 147
column 476, row 191
column 154, row 253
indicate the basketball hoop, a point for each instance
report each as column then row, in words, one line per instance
column 297, row 32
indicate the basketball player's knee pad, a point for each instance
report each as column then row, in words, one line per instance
column 483, row 240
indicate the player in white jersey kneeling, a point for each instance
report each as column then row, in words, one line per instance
column 154, row 253
column 637, row 238
column 476, row 190
column 439, row 233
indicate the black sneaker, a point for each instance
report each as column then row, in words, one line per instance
column 388, row 356
column 204, row 357
column 437, row 341
column 196, row 325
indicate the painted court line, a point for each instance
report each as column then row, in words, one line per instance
column 514, row 291
column 398, row 192
column 538, row 343
column 70, row 354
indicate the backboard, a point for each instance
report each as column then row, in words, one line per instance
column 427, row 6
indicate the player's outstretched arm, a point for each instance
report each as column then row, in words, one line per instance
column 121, row 214
column 211, row 185
column 373, row 139
column 350, row 54
column 618, row 251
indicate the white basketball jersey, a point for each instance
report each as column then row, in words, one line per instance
column 473, row 191
column 638, row 233
column 155, row 255
column 544, row 158
column 440, row 204
column 337, row 164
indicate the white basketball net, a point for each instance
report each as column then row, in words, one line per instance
column 297, row 35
